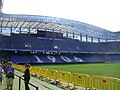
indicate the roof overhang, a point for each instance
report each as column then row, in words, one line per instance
column 52, row 23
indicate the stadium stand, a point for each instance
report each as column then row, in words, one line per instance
column 64, row 58
column 67, row 42
column 43, row 58
column 25, row 42
column 85, row 51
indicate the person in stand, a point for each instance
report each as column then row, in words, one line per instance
column 9, row 76
column 1, row 73
column 27, row 76
column 4, row 67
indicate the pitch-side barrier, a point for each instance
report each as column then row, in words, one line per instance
column 75, row 79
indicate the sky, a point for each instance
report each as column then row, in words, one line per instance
column 101, row 13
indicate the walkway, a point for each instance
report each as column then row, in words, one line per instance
column 42, row 85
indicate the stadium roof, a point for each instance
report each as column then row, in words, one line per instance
column 54, row 23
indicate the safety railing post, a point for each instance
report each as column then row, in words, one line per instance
column 36, row 88
column 19, row 82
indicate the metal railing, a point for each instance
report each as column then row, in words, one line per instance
column 20, row 78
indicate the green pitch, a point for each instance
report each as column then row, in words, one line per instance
column 104, row 69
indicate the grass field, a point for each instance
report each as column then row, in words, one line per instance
column 102, row 69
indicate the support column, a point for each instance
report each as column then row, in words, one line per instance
column 66, row 34
column 60, row 30
column 80, row 36
column 29, row 31
column 20, row 31
column 11, row 29
column 91, row 39
column 106, row 40
column 73, row 35
column 98, row 40
column 86, row 38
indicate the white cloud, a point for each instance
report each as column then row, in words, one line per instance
column 101, row 13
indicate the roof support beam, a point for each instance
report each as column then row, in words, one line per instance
column 36, row 25
column 7, row 24
column 31, row 24
column 27, row 24
column 23, row 24
column 17, row 25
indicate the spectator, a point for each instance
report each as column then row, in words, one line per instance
column 1, row 73
column 9, row 76
column 4, row 67
column 27, row 76
column 4, row 64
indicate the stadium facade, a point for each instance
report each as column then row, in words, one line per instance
column 44, row 39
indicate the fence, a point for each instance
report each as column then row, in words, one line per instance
column 105, row 83
column 82, row 80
